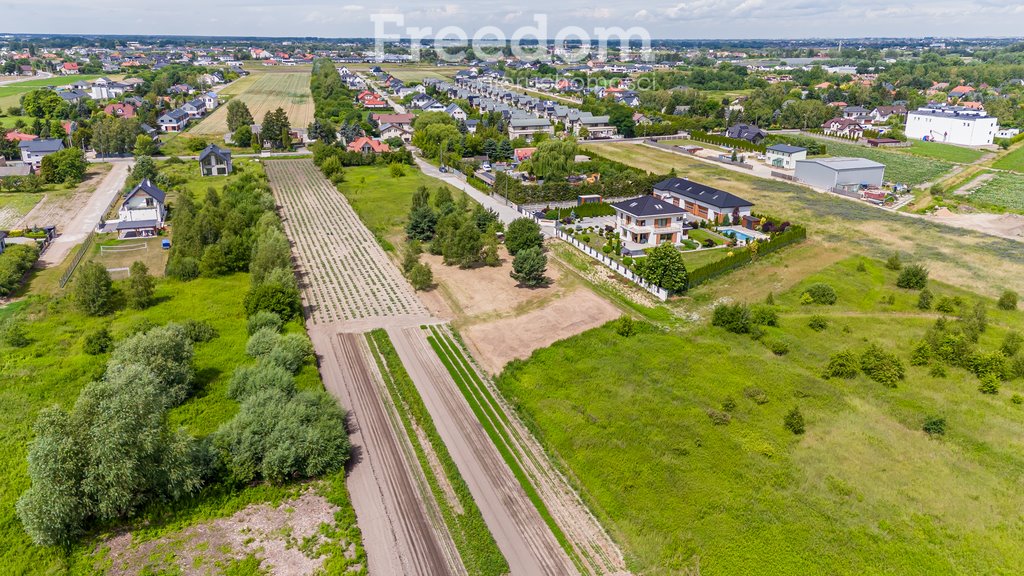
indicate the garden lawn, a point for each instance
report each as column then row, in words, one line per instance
column 10, row 94
column 1012, row 161
column 383, row 201
column 15, row 205
column 187, row 174
column 696, row 258
column 1002, row 191
column 907, row 169
column 947, row 152
column 863, row 488
column 10, row 121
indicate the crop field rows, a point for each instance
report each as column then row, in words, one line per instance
column 345, row 274
column 1003, row 190
column 268, row 92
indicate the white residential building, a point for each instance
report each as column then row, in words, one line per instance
column 952, row 125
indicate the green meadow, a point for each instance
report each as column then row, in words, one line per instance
column 863, row 491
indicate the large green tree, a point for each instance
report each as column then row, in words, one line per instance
column 529, row 266
column 664, row 267
column 93, row 290
column 238, row 115
column 522, row 233
column 140, row 287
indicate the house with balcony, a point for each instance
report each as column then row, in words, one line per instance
column 648, row 221
column 597, row 126
column 527, row 127
column 703, row 201
column 142, row 211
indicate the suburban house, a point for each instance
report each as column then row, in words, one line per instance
column 142, row 211
column 455, row 112
column 69, row 68
column 648, row 221
column 842, row 173
column 951, row 124
column 367, row 145
column 194, row 108
column 527, row 127
column 747, row 132
column 523, row 154
column 471, row 125
column 14, row 168
column 215, row 161
column 784, row 155
column 702, row 201
column 597, row 126
column 105, row 89
column 881, row 114
column 19, row 136
column 173, row 121
column 960, row 92
column 33, row 151
column 120, row 110
column 855, row 112
column 1007, row 132
column 388, row 131
column 844, row 127
column 210, row 101
column 401, row 120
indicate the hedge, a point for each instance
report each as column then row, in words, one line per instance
column 792, row 235
column 14, row 262
column 726, row 141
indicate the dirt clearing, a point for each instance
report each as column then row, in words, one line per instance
column 502, row 321
column 285, row 540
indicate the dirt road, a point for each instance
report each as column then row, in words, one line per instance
column 524, row 538
column 86, row 219
column 402, row 533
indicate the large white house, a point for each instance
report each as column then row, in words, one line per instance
column 784, row 155
column 142, row 211
column 648, row 221
column 951, row 124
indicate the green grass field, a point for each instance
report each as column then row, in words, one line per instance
column 863, row 489
column 946, row 152
column 10, row 121
column 14, row 206
column 10, row 94
column 1002, row 191
column 1012, row 161
column 903, row 168
column 383, row 201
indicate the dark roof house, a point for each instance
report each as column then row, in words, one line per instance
column 748, row 132
column 701, row 193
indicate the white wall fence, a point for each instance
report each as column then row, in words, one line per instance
column 658, row 292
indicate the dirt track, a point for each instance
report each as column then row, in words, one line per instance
column 524, row 538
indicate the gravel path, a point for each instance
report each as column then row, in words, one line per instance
column 86, row 219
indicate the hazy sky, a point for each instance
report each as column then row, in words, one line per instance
column 690, row 19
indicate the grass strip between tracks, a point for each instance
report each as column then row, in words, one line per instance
column 477, row 547
column 488, row 413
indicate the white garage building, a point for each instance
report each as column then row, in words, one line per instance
column 843, row 173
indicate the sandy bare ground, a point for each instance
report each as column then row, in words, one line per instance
column 1003, row 225
column 502, row 321
column 285, row 538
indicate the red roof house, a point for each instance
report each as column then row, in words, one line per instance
column 368, row 145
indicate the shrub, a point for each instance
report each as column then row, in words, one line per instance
column 992, row 363
column 821, row 293
column 894, row 263
column 718, row 418
column 881, row 366
column 627, row 261
column 756, row 394
column 913, row 277
column 946, row 305
column 625, row 326
column 14, row 263
column 924, row 299
column 14, row 334
column 253, row 378
column 937, row 371
column 98, row 342
column 261, row 343
column 818, row 323
column 734, row 318
column 274, row 297
column 523, row 233
column 183, row 268
column 199, row 331
column 421, row 276
column 1017, row 399
column 762, row 315
column 288, row 351
column 529, row 266
column 778, row 347
column 794, row 421
column 93, row 290
column 922, row 354
column 1016, row 368
column 263, row 319
column 861, row 267
column 989, row 384
column 934, row 426
column 728, row 404
column 842, row 365
column 1008, row 300
column 1011, row 343
column 141, row 286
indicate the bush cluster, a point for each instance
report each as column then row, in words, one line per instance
column 881, row 366
column 14, row 263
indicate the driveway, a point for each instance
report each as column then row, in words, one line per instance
column 88, row 217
